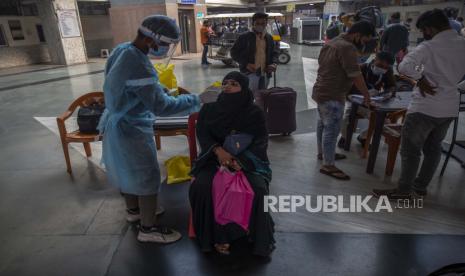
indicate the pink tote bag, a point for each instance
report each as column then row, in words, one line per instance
column 232, row 198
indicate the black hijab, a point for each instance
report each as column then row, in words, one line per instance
column 231, row 112
column 235, row 111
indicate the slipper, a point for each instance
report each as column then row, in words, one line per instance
column 335, row 173
column 337, row 156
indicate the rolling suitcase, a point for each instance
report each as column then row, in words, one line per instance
column 279, row 105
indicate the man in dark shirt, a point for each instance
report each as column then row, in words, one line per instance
column 338, row 70
column 379, row 78
column 256, row 53
column 395, row 38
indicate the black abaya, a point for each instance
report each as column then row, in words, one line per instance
column 232, row 114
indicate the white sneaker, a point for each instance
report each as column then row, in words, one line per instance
column 159, row 234
column 134, row 216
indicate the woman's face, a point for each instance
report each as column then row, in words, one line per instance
column 231, row 86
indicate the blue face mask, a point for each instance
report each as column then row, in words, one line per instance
column 377, row 70
column 161, row 52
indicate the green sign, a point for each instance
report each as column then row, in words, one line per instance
column 200, row 15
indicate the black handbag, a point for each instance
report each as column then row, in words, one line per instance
column 89, row 117
column 236, row 143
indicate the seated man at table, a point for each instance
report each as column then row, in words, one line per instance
column 434, row 105
column 379, row 78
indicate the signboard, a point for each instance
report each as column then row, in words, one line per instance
column 290, row 8
column 69, row 24
column 190, row 2
column 200, row 15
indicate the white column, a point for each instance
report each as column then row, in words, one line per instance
column 63, row 31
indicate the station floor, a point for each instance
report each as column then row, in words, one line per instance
column 53, row 223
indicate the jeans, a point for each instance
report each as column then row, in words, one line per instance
column 258, row 82
column 329, row 125
column 204, row 54
column 421, row 133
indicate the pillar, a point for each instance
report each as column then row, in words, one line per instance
column 62, row 30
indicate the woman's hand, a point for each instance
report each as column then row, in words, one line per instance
column 235, row 165
column 224, row 157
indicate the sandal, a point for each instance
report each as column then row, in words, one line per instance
column 222, row 249
column 336, row 173
column 337, row 156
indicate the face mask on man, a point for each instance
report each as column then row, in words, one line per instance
column 160, row 53
column 378, row 71
column 258, row 28
column 427, row 36
column 359, row 45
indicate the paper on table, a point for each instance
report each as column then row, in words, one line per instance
column 376, row 98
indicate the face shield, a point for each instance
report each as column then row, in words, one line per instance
column 166, row 45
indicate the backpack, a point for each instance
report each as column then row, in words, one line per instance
column 332, row 31
column 89, row 117
column 371, row 14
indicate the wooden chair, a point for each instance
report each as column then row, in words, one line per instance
column 392, row 134
column 75, row 136
column 192, row 140
column 182, row 130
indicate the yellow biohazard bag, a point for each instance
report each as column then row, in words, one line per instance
column 166, row 75
column 216, row 84
column 178, row 168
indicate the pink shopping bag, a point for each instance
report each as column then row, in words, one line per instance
column 232, row 198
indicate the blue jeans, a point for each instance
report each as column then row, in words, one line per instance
column 204, row 54
column 257, row 82
column 329, row 125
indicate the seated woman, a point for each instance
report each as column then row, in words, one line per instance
column 233, row 112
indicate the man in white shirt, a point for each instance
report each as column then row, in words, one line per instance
column 438, row 65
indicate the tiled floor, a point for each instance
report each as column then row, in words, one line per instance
column 57, row 224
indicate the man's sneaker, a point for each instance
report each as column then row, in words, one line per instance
column 392, row 194
column 133, row 215
column 158, row 234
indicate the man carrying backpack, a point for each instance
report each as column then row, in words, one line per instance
column 395, row 38
column 334, row 28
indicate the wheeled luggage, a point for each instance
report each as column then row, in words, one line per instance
column 279, row 105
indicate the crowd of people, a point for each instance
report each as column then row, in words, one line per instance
column 134, row 96
column 218, row 30
column 432, row 66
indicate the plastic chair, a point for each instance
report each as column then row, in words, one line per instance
column 192, row 141
column 391, row 133
column 76, row 136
